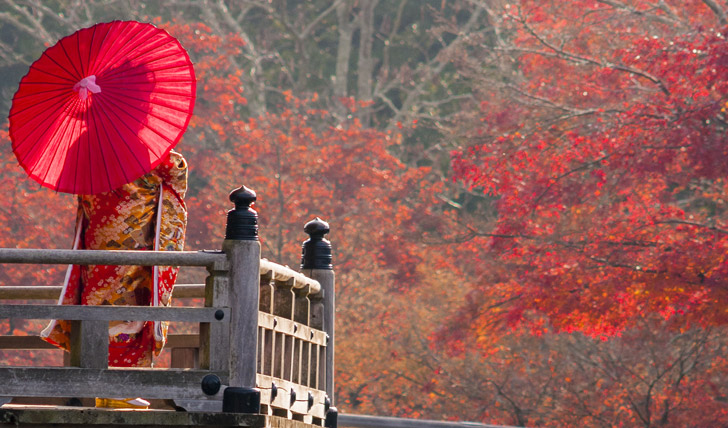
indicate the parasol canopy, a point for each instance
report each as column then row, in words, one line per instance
column 102, row 107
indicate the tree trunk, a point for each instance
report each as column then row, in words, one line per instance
column 365, row 64
column 343, row 53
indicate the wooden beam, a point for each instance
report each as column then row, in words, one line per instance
column 24, row 342
column 32, row 417
column 282, row 399
column 51, row 292
column 368, row 421
column 107, row 257
column 35, row 342
column 111, row 313
column 82, row 382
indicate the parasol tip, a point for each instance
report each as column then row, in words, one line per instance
column 86, row 85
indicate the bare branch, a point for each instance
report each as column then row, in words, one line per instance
column 696, row 224
column 570, row 56
column 10, row 19
column 670, row 19
column 430, row 69
column 310, row 27
column 718, row 11
column 38, row 30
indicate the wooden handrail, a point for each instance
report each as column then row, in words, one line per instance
column 181, row 291
column 35, row 342
column 111, row 313
column 51, row 292
column 107, row 257
column 284, row 273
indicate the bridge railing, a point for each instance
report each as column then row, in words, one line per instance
column 265, row 342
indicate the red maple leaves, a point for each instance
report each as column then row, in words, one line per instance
column 611, row 186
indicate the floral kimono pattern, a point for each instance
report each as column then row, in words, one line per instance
column 133, row 217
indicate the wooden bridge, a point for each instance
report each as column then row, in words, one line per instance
column 264, row 355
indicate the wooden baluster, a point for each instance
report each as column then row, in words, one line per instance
column 283, row 298
column 265, row 346
column 266, row 292
column 301, row 307
column 283, row 307
column 316, row 320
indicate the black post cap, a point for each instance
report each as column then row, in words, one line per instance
column 241, row 400
column 242, row 222
column 316, row 252
column 332, row 418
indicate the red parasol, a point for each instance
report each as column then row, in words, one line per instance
column 102, row 107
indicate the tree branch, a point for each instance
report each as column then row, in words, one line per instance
column 692, row 223
column 584, row 59
column 717, row 10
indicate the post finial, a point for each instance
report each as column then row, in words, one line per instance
column 242, row 222
column 316, row 252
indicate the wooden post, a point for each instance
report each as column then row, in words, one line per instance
column 243, row 251
column 90, row 344
column 316, row 264
column 214, row 352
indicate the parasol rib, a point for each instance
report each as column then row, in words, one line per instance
column 58, row 141
column 35, row 141
column 116, row 155
column 79, row 74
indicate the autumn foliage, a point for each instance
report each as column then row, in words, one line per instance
column 610, row 174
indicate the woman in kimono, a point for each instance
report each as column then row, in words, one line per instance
column 147, row 214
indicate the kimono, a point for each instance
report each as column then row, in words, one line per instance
column 147, row 214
